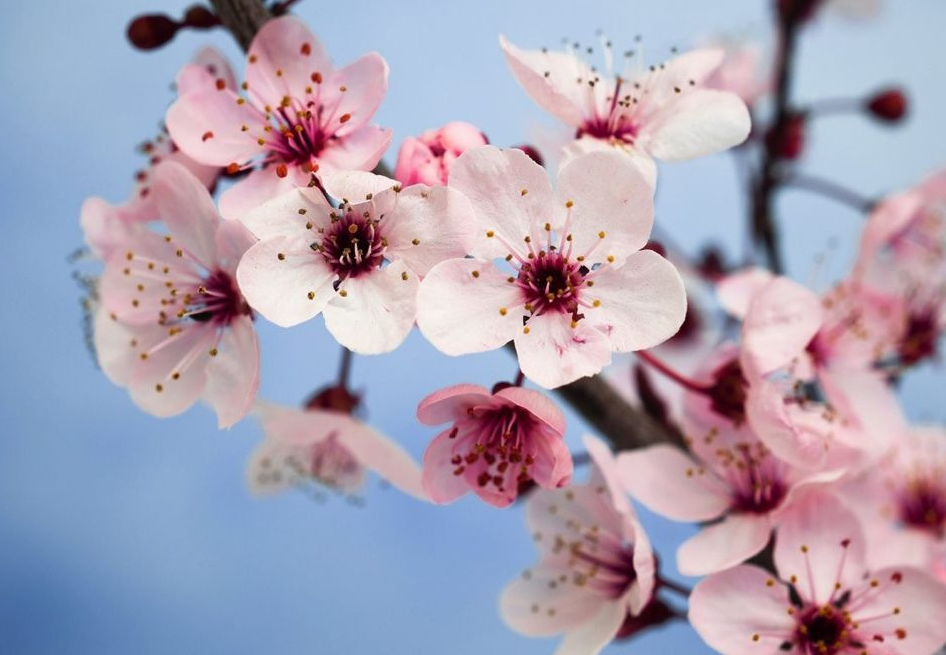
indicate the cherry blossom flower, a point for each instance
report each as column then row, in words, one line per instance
column 299, row 116
column 664, row 112
column 596, row 565
column 902, row 501
column 173, row 326
column 358, row 264
column 824, row 600
column 728, row 473
column 495, row 443
column 328, row 448
column 427, row 159
column 574, row 285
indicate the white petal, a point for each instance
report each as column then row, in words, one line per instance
column 553, row 353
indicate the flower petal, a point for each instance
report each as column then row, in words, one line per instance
column 550, row 80
column 233, row 375
column 355, row 92
column 553, row 353
column 595, row 633
column 699, row 122
column 643, row 302
column 384, row 456
column 105, row 226
column 360, row 150
column 281, row 60
column 208, row 125
column 453, row 322
column 285, row 281
column 355, row 186
column 450, row 404
column 723, row 545
column 537, row 604
column 292, row 214
column 735, row 291
column 257, row 188
column 188, row 210
column 439, row 482
column 373, row 313
column 510, row 194
column 538, row 404
column 672, row 484
column 609, row 205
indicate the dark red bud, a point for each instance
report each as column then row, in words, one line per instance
column 796, row 11
column 201, row 18
column 889, row 105
column 534, row 154
column 151, row 31
column 712, row 263
column 334, row 398
column 789, row 142
column 657, row 247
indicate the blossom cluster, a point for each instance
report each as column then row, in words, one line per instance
column 793, row 454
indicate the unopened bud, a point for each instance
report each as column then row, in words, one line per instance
column 789, row 142
column 199, row 17
column 151, row 31
column 889, row 105
column 335, row 398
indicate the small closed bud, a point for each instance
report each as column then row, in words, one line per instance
column 889, row 105
column 200, row 17
column 788, row 143
column 534, row 154
column 151, row 31
column 711, row 263
column 335, row 398
column 796, row 11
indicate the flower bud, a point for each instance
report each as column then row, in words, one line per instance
column 889, row 105
column 201, row 18
column 151, row 31
column 789, row 143
column 335, row 398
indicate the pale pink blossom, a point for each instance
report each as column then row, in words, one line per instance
column 595, row 568
column 825, row 598
column 742, row 72
column 359, row 264
column 328, row 448
column 662, row 112
column 902, row 501
column 172, row 326
column 495, row 443
column 727, row 473
column 298, row 116
column 573, row 284
column 426, row 159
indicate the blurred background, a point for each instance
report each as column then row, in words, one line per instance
column 128, row 534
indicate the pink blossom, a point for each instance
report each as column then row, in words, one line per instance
column 358, row 264
column 299, row 116
column 496, row 442
column 328, row 448
column 427, row 159
column 596, row 565
column 825, row 600
column 664, row 112
column 574, row 284
column 902, row 501
column 173, row 326
column 728, row 473
column 741, row 72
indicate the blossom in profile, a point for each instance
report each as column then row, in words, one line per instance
column 329, row 448
column 426, row 159
column 358, row 264
column 662, row 112
column 596, row 566
column 825, row 597
column 298, row 116
column 571, row 284
column 496, row 442
column 172, row 325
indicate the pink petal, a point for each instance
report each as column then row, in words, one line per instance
column 538, row 404
column 608, row 196
column 377, row 310
column 532, row 606
column 176, row 396
column 105, row 226
column 558, row 92
column 208, row 126
column 440, row 484
column 194, row 77
column 360, row 150
column 299, row 427
column 233, row 375
column 813, row 539
column 365, row 81
column 257, row 188
column 279, row 288
column 729, row 609
column 273, row 467
column 735, row 291
column 699, row 122
column 553, row 353
column 355, row 186
column 671, row 484
column 215, row 64
column 295, row 213
column 643, row 302
column 453, row 322
column 594, row 634
column 384, row 456
column 696, row 65
column 723, row 545
column 645, row 164
column 606, row 469
column 494, row 181
column 281, row 60
column 188, row 211
column 232, row 241
column 783, row 318
column 439, row 220
column 450, row 404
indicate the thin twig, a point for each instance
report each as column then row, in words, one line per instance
column 831, row 190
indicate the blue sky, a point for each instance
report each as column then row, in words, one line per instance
column 124, row 533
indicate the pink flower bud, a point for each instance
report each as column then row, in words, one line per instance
column 427, row 159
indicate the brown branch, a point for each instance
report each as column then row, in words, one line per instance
column 593, row 398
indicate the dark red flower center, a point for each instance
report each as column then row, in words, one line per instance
column 551, row 282
column 923, row 505
column 728, row 392
column 352, row 244
column 218, row 300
